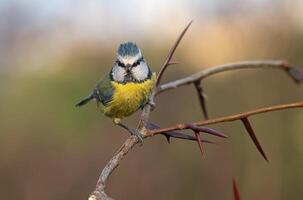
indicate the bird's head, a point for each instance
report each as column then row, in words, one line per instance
column 130, row 65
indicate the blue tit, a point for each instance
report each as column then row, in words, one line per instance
column 126, row 88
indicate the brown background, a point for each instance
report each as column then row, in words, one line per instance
column 53, row 53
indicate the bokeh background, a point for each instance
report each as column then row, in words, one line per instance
column 52, row 53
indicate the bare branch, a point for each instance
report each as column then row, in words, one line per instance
column 98, row 193
column 228, row 118
column 167, row 61
column 294, row 73
column 147, row 109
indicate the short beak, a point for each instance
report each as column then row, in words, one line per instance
column 128, row 67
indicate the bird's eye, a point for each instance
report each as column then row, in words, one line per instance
column 137, row 62
column 120, row 63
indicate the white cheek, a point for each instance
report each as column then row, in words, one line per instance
column 140, row 72
column 118, row 73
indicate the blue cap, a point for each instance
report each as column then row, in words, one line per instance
column 128, row 49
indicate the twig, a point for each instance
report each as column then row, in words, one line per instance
column 295, row 74
column 98, row 193
column 228, row 118
column 147, row 109
column 168, row 62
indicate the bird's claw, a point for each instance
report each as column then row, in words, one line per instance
column 136, row 133
column 133, row 132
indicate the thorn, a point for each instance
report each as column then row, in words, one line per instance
column 235, row 190
column 207, row 130
column 201, row 97
column 178, row 135
column 167, row 138
column 170, row 54
column 198, row 139
column 253, row 136
column 185, row 137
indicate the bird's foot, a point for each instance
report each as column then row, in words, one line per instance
column 137, row 133
column 134, row 132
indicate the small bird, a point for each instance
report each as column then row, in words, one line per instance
column 126, row 88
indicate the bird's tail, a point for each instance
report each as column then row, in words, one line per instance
column 85, row 100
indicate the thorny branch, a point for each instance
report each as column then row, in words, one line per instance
column 168, row 61
column 148, row 129
column 228, row 118
column 294, row 73
column 242, row 116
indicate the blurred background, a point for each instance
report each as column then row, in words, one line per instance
column 52, row 53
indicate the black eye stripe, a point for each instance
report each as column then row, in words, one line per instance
column 120, row 63
column 133, row 65
column 138, row 62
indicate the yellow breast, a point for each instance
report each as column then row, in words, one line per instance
column 128, row 98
